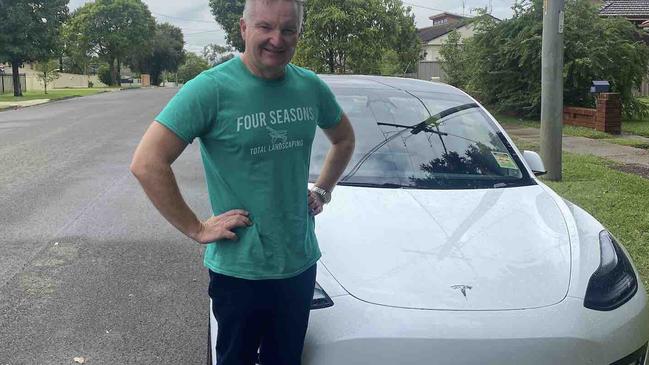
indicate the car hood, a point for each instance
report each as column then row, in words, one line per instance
column 487, row 249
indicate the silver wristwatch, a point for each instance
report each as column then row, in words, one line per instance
column 325, row 196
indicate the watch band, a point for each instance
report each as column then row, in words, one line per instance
column 322, row 193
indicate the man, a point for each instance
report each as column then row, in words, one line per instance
column 255, row 117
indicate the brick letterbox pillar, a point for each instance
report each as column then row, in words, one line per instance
column 609, row 113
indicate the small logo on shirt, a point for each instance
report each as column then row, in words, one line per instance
column 276, row 136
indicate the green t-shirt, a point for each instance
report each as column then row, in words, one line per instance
column 255, row 138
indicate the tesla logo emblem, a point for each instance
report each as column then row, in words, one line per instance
column 463, row 289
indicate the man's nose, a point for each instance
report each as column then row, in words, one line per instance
column 276, row 39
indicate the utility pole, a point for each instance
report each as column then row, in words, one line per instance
column 552, row 87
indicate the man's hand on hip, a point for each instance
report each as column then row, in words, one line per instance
column 220, row 227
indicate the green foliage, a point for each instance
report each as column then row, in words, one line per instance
column 166, row 53
column 501, row 63
column 216, row 54
column 193, row 66
column 29, row 31
column 112, row 30
column 227, row 13
column 342, row 36
column 48, row 71
column 455, row 60
column 389, row 65
column 104, row 74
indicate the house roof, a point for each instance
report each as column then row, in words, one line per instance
column 628, row 8
column 429, row 33
column 446, row 14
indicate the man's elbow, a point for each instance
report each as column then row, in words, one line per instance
column 137, row 167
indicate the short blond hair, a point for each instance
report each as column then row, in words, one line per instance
column 299, row 9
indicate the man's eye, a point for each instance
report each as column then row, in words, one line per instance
column 289, row 31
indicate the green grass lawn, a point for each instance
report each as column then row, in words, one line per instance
column 53, row 94
column 617, row 199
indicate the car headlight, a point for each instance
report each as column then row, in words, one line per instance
column 614, row 282
column 320, row 298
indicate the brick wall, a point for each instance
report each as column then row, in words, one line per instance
column 607, row 117
column 582, row 117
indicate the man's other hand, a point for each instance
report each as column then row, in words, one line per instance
column 220, row 227
column 315, row 203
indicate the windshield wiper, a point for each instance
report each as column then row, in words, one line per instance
column 434, row 120
column 415, row 128
column 373, row 185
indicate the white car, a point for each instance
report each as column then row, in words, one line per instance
column 441, row 246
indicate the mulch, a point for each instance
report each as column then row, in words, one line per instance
column 632, row 169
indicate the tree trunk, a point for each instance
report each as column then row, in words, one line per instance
column 331, row 61
column 113, row 73
column 119, row 72
column 45, row 81
column 16, row 76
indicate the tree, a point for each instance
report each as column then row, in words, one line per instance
column 193, row 65
column 227, row 13
column 342, row 36
column 216, row 54
column 166, row 53
column 112, row 30
column 454, row 60
column 48, row 71
column 29, row 31
column 505, row 58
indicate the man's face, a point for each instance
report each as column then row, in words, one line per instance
column 270, row 35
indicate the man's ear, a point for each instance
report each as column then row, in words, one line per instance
column 242, row 27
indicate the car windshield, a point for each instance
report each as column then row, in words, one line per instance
column 420, row 139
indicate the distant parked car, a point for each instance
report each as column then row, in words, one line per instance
column 441, row 246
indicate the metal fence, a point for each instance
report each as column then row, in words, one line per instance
column 644, row 88
column 7, row 83
column 430, row 70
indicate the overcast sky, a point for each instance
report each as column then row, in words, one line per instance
column 200, row 29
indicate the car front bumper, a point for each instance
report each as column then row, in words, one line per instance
column 356, row 332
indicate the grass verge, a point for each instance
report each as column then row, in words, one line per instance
column 53, row 94
column 637, row 127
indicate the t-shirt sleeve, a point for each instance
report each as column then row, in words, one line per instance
column 330, row 111
column 192, row 111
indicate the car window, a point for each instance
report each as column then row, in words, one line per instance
column 461, row 150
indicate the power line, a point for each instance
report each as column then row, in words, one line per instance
column 425, row 7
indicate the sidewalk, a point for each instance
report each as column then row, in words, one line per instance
column 20, row 104
column 587, row 146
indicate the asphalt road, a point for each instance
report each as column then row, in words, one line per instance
column 88, row 268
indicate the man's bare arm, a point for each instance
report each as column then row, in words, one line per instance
column 342, row 147
column 151, row 165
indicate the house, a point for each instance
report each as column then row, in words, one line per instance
column 433, row 37
column 635, row 11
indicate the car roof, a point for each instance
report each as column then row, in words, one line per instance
column 385, row 82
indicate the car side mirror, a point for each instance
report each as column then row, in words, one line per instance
column 535, row 162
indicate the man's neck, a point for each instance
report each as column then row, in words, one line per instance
column 264, row 74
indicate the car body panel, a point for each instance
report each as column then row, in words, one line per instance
column 412, row 248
